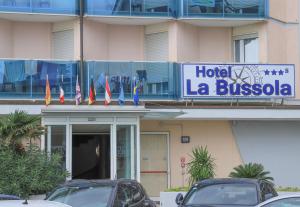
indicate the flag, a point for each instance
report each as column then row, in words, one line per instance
column 61, row 92
column 121, row 96
column 48, row 93
column 92, row 94
column 78, row 98
column 135, row 94
column 107, row 93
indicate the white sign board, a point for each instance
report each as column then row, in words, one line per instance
column 207, row 3
column 237, row 81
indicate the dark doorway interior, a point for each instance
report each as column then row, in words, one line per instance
column 91, row 156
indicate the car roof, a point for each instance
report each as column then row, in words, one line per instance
column 32, row 203
column 81, row 183
column 282, row 196
column 228, row 180
column 9, row 197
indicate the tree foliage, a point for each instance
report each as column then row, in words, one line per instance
column 251, row 170
column 28, row 171
column 17, row 127
column 201, row 166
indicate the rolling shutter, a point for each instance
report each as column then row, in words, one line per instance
column 63, row 44
column 157, row 47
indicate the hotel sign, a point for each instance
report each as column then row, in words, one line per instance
column 237, row 81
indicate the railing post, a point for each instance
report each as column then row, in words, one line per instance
column 223, row 9
column 130, row 7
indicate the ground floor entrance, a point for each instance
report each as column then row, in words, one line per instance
column 109, row 146
column 95, row 145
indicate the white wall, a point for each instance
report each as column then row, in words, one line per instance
column 276, row 145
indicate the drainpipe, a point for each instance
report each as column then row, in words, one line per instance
column 81, row 10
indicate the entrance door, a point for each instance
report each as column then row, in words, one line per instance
column 91, row 148
column 154, row 163
column 91, row 156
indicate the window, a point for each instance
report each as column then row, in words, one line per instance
column 246, row 50
column 289, row 202
column 123, row 196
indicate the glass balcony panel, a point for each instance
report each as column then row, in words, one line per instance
column 59, row 73
column 20, row 79
column 155, row 80
column 15, row 78
column 224, row 8
column 41, row 6
column 131, row 7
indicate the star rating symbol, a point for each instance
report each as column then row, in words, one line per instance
column 267, row 72
column 281, row 72
column 274, row 72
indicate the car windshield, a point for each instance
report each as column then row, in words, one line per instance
column 95, row 196
column 223, row 194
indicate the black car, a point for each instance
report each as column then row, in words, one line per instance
column 9, row 197
column 101, row 193
column 227, row 192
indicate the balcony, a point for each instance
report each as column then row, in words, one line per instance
column 138, row 12
column 156, row 80
column 224, row 8
column 26, row 79
column 61, row 7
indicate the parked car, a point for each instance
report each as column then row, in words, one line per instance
column 227, row 192
column 31, row 203
column 9, row 197
column 101, row 193
column 291, row 200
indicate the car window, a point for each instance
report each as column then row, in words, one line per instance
column 79, row 197
column 267, row 189
column 223, row 194
column 137, row 195
column 123, row 196
column 287, row 202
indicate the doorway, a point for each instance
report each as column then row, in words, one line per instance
column 91, row 152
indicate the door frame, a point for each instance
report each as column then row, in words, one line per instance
column 110, row 119
column 168, row 152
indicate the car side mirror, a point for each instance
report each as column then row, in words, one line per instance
column 147, row 203
column 268, row 196
column 179, row 199
column 125, row 204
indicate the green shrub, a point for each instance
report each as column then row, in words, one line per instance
column 178, row 189
column 288, row 189
column 251, row 170
column 201, row 166
column 30, row 172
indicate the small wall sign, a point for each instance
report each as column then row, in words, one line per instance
column 185, row 139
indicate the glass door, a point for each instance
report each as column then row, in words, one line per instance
column 55, row 141
column 126, row 158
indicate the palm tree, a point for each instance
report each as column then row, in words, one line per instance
column 19, row 126
column 201, row 166
column 251, row 170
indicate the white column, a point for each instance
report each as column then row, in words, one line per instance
column 69, row 150
column 138, row 151
column 113, row 149
column 43, row 144
column 49, row 139
column 132, row 149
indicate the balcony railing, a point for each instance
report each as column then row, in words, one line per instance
column 67, row 7
column 155, row 80
column 155, row 8
column 26, row 79
column 223, row 8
